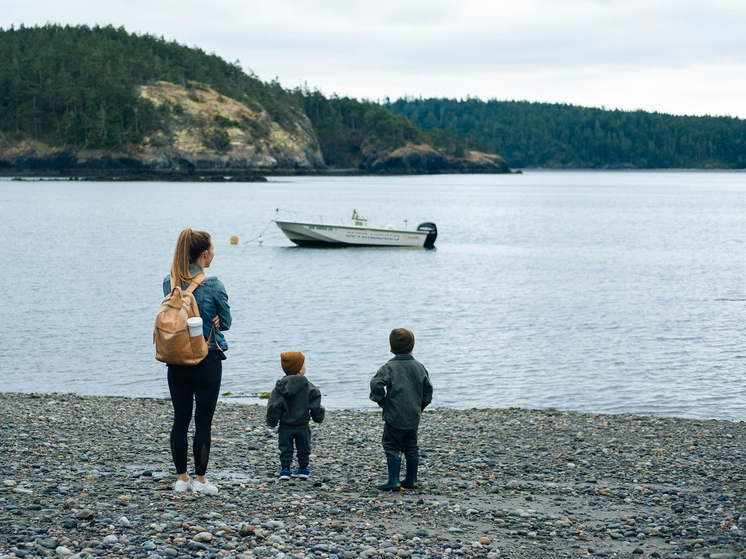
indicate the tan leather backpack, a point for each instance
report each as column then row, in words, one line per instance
column 173, row 344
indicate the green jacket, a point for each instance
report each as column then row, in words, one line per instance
column 403, row 389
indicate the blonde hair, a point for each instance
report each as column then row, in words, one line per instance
column 189, row 248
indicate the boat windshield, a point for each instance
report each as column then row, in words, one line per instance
column 358, row 220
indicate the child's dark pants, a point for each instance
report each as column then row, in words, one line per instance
column 396, row 441
column 302, row 439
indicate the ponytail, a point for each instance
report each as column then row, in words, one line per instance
column 189, row 247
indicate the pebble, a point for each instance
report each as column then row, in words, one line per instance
column 494, row 484
column 203, row 537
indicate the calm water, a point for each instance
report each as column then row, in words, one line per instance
column 594, row 291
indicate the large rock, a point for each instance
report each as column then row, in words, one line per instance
column 478, row 162
column 424, row 159
column 410, row 159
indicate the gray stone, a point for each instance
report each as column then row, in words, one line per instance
column 203, row 537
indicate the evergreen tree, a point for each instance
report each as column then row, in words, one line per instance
column 528, row 134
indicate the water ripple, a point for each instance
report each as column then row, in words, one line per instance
column 601, row 292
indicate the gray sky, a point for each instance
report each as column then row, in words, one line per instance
column 676, row 56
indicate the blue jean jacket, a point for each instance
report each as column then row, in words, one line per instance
column 212, row 300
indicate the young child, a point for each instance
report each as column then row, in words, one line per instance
column 402, row 388
column 290, row 403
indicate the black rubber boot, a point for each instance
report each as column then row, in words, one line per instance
column 394, row 465
column 410, row 482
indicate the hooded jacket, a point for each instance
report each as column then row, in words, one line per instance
column 293, row 399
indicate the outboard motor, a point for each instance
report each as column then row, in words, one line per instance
column 432, row 233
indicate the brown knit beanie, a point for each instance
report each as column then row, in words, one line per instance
column 292, row 362
column 401, row 341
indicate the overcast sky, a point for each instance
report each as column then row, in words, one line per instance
column 675, row 56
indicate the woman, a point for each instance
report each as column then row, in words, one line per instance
column 201, row 382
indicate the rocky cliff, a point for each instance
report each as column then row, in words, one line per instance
column 423, row 159
column 202, row 130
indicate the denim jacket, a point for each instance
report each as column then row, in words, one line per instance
column 212, row 300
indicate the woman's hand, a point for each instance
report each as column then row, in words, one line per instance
column 216, row 321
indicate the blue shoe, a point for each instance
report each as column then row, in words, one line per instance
column 285, row 474
column 301, row 473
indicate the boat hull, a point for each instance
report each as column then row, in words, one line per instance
column 318, row 234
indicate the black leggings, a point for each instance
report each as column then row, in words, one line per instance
column 189, row 383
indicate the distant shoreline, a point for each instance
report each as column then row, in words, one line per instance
column 212, row 176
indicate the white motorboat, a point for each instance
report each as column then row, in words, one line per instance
column 357, row 233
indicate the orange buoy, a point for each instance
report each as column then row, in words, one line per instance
column 234, row 240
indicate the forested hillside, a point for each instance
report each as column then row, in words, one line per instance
column 150, row 104
column 158, row 105
column 78, row 85
column 528, row 134
column 348, row 129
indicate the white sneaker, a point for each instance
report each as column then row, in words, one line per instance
column 206, row 487
column 183, row 486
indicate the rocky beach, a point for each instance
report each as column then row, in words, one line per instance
column 84, row 477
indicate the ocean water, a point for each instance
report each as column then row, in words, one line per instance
column 593, row 291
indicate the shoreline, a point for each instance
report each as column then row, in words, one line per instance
column 227, row 175
column 262, row 174
column 93, row 475
column 256, row 399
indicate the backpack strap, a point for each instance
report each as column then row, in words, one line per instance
column 212, row 331
column 196, row 281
